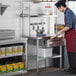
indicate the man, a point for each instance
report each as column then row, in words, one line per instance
column 70, row 34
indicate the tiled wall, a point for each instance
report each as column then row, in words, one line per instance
column 10, row 18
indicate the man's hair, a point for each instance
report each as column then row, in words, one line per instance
column 60, row 3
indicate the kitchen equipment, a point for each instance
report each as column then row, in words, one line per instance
column 39, row 31
column 36, row 1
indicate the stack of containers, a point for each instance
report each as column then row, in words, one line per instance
column 2, row 69
column 9, row 68
column 11, row 50
column 21, row 65
column 15, row 67
column 12, row 67
column 16, row 64
column 7, row 34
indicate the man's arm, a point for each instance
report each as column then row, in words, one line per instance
column 63, row 30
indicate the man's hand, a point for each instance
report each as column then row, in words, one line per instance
column 63, row 30
column 58, row 33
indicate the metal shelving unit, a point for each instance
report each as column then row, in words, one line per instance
column 43, row 58
column 10, row 56
column 39, row 58
column 50, row 16
column 22, row 41
column 28, row 15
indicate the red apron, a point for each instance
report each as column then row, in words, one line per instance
column 70, row 40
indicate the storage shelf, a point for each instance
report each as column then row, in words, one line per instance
column 13, row 73
column 10, row 56
column 23, row 55
column 54, row 56
column 12, row 41
column 43, row 16
column 34, row 16
column 34, row 57
column 3, row 74
column 47, row 1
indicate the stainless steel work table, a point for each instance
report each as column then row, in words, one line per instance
column 45, row 47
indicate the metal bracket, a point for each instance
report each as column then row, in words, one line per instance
column 2, row 8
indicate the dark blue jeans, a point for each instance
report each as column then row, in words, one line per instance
column 72, row 60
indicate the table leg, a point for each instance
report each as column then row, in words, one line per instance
column 37, row 61
column 61, row 57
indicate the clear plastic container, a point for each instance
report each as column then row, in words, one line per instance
column 2, row 51
column 20, row 49
column 15, row 50
column 9, row 51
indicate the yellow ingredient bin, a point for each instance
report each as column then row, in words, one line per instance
column 9, row 51
column 20, row 49
column 2, row 51
column 15, row 50
column 21, row 65
column 2, row 69
column 15, row 67
column 9, row 67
